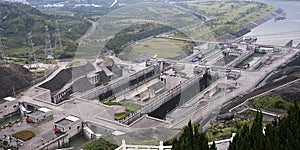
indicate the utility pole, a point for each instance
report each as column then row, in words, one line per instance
column 31, row 47
column 57, row 37
column 48, row 48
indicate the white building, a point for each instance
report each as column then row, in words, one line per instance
column 71, row 125
column 39, row 115
column 8, row 106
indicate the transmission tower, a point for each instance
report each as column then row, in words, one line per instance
column 48, row 48
column 31, row 47
column 57, row 37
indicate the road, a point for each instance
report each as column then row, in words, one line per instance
column 113, row 4
column 88, row 32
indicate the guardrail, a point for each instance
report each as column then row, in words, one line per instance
column 143, row 147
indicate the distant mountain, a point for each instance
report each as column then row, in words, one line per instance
column 104, row 3
column 16, row 20
column 19, row 1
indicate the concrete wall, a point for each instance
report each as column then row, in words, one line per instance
column 122, row 84
column 56, row 143
column 8, row 108
column 72, row 129
column 42, row 94
column 172, row 81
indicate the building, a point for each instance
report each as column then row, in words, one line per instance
column 233, row 74
column 39, row 115
column 71, row 125
column 8, row 106
column 264, row 49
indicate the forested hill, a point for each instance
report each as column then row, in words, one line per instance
column 16, row 20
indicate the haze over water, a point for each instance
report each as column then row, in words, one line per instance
column 280, row 32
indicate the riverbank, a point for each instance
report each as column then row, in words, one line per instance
column 248, row 27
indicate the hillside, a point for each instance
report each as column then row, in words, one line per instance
column 17, row 20
column 134, row 33
column 14, row 77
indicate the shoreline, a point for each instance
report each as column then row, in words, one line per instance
column 249, row 26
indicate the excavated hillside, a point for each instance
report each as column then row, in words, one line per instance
column 14, row 78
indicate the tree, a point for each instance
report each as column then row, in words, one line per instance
column 281, row 134
column 100, row 144
column 192, row 139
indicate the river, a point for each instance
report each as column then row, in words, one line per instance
column 280, row 32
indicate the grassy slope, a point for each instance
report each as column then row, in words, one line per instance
column 230, row 16
column 163, row 48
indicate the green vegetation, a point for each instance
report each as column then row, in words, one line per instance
column 120, row 116
column 191, row 139
column 130, row 108
column 271, row 102
column 10, row 119
column 78, row 141
column 281, row 134
column 21, row 19
column 141, row 14
column 109, row 103
column 135, row 33
column 24, row 135
column 227, row 16
column 100, row 144
column 163, row 48
column 215, row 131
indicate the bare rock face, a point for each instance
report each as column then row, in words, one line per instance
column 14, row 78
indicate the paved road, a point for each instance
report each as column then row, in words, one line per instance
column 114, row 3
column 88, row 32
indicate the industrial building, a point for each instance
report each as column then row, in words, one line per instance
column 39, row 115
column 8, row 106
column 71, row 125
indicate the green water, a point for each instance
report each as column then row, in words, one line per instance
column 78, row 141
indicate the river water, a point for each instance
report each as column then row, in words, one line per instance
column 280, row 32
